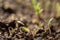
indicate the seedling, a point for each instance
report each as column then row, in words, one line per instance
column 38, row 10
column 25, row 29
column 34, row 32
column 49, row 24
column 37, row 7
column 6, row 5
column 1, row 1
column 57, row 5
column 20, row 22
column 47, row 3
column 40, row 25
column 14, row 29
column 50, row 21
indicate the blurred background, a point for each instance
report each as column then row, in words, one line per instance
column 51, row 8
column 18, row 8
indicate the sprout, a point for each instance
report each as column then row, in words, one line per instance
column 50, row 21
column 37, row 7
column 40, row 25
column 13, row 30
column 1, row 1
column 57, row 5
column 34, row 32
column 25, row 29
column 20, row 22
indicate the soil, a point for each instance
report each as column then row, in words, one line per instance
column 15, row 10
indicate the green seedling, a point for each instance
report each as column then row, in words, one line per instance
column 49, row 24
column 57, row 7
column 11, row 32
column 1, row 1
column 6, row 5
column 38, row 10
column 19, row 22
column 47, row 3
column 37, row 7
column 40, row 25
column 34, row 32
column 25, row 29
column 50, row 21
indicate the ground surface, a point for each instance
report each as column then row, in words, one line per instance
column 14, row 10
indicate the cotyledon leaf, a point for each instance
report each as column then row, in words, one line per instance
column 26, row 29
